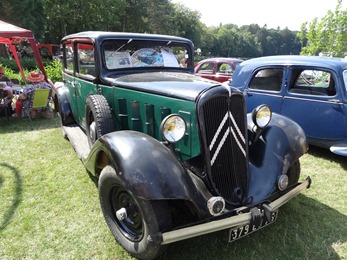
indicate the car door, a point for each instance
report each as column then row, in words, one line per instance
column 85, row 76
column 313, row 99
column 69, row 74
column 206, row 70
column 224, row 72
column 265, row 87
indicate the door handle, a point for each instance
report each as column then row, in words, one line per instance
column 335, row 101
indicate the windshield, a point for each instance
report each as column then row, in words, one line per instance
column 134, row 53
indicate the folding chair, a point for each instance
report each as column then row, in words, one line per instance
column 40, row 100
column 4, row 103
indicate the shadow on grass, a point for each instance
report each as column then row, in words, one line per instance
column 8, row 212
column 94, row 179
column 326, row 154
column 305, row 229
column 16, row 124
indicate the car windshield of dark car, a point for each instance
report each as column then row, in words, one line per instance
column 122, row 54
column 312, row 82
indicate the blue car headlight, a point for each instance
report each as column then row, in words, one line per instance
column 261, row 116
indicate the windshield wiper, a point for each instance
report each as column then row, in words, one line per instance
column 159, row 48
column 121, row 47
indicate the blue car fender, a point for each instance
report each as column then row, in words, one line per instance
column 147, row 167
column 281, row 143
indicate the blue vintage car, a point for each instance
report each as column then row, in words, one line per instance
column 310, row 90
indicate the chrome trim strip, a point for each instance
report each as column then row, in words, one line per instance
column 230, row 129
column 264, row 94
column 333, row 101
column 231, row 222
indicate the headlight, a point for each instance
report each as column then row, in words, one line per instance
column 282, row 182
column 173, row 128
column 261, row 116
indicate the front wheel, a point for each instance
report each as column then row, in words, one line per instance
column 132, row 220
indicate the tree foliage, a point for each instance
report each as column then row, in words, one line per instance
column 326, row 36
column 50, row 20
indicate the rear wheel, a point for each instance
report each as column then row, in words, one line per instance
column 99, row 119
column 132, row 220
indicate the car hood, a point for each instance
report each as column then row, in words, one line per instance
column 177, row 85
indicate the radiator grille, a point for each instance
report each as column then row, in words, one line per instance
column 225, row 129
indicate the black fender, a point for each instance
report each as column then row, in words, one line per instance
column 64, row 106
column 148, row 168
column 281, row 143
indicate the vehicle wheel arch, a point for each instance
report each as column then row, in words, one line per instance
column 282, row 143
column 62, row 102
column 121, row 149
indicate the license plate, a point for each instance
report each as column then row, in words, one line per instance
column 245, row 230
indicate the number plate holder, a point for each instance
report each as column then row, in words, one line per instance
column 239, row 232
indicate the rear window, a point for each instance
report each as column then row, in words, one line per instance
column 267, row 79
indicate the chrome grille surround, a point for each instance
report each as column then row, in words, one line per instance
column 223, row 132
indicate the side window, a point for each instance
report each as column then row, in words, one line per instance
column 267, row 79
column 224, row 68
column 313, row 82
column 69, row 58
column 86, row 63
column 206, row 68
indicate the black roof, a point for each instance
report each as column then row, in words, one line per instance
column 100, row 35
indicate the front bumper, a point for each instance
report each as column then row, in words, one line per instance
column 231, row 222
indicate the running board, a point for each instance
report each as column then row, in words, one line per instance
column 78, row 139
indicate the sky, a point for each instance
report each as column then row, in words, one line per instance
column 273, row 13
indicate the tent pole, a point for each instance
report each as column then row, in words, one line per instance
column 37, row 56
column 14, row 52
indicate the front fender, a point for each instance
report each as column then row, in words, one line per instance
column 281, row 144
column 148, row 168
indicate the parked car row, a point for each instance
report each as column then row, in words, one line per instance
column 312, row 91
column 176, row 155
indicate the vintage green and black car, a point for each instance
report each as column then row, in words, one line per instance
column 176, row 155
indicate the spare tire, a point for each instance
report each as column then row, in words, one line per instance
column 99, row 120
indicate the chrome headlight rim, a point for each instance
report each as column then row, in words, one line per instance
column 261, row 116
column 173, row 128
column 282, row 182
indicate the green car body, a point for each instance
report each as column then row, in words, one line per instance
column 176, row 155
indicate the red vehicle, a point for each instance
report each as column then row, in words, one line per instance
column 218, row 69
column 49, row 50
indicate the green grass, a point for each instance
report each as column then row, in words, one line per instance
column 49, row 207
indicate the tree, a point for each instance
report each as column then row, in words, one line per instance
column 186, row 23
column 28, row 14
column 328, row 35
